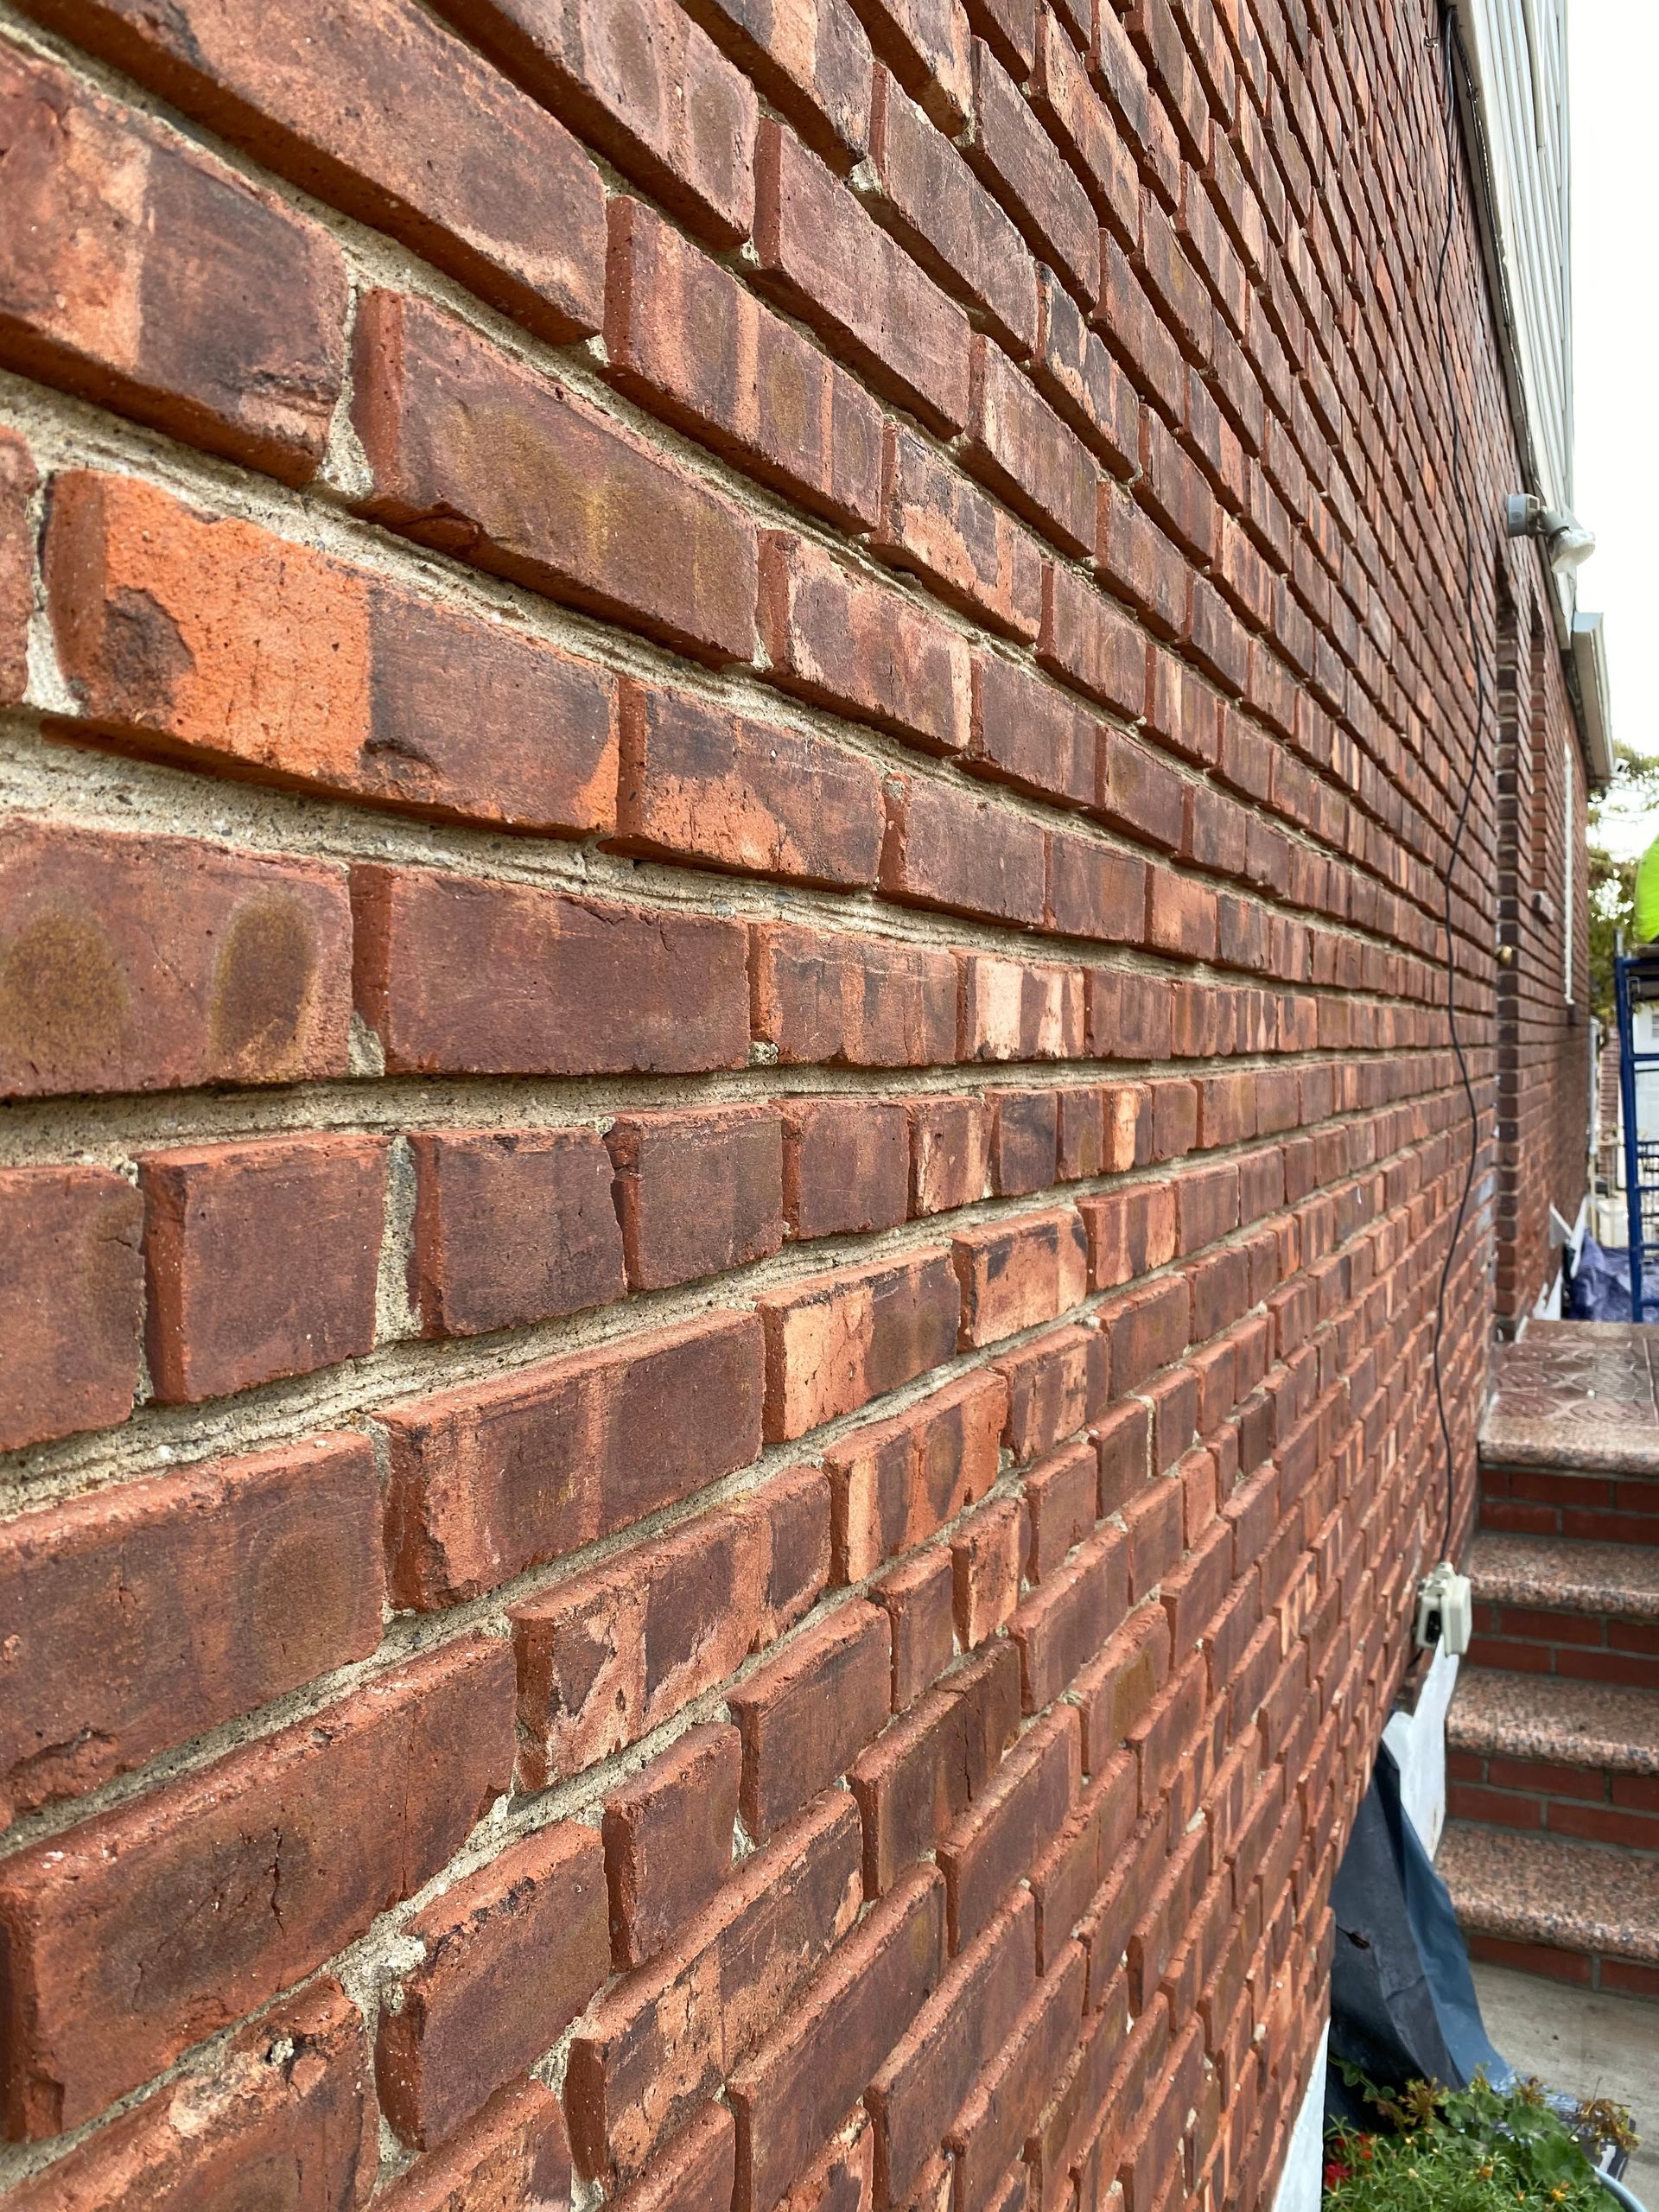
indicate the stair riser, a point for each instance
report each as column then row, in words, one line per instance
column 1538, row 1797
column 1625, row 1977
column 1588, row 1647
column 1559, row 1501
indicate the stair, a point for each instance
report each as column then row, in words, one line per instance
column 1551, row 1850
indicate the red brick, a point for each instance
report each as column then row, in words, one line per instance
column 835, row 1342
column 1081, row 379
column 697, row 1192
column 841, row 2178
column 598, row 988
column 927, row 2078
column 1105, row 1931
column 947, row 847
column 807, row 1714
column 1011, row 1825
column 1147, row 1330
column 1129, row 1020
column 925, row 44
column 260, row 1260
column 918, row 1598
column 845, row 1165
column 893, row 1482
column 71, row 1303
column 182, row 632
column 668, row 1840
column 947, row 219
column 1131, row 1232
column 1067, row 1880
column 933, row 1763
column 1082, row 1139
column 1025, row 1142
column 1014, row 1010
column 699, row 2169
column 474, row 452
column 1139, row 794
column 1094, row 890
column 1060, row 1627
column 341, row 1816
column 691, row 343
column 1121, row 1440
column 950, row 1153
column 1055, row 1386
column 844, row 640
column 1193, row 1594
column 1087, row 641
column 701, row 785
column 811, row 58
column 512, row 1227
column 17, row 486
column 647, row 87
column 290, row 2095
column 492, row 1478
column 147, row 1613
column 608, row 1656
column 659, row 2043
column 470, row 2019
column 1061, row 1497
column 827, row 261
column 987, row 1551
column 148, row 276
column 144, row 964
column 350, row 105
column 1059, row 2138
column 938, row 523
column 1015, row 1276
column 853, row 1001
column 1020, row 446
column 1063, row 96
column 1026, row 733
column 989, row 2132
column 794, row 2091
column 515, row 2153
column 1116, row 1693
column 1009, row 149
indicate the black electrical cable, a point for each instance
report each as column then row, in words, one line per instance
column 1448, row 42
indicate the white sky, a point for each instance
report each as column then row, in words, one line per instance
column 1613, row 70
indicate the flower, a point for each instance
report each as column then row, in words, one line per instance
column 1335, row 2171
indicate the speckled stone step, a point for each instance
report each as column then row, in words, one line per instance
column 1549, row 1605
column 1545, row 1754
column 1575, row 1911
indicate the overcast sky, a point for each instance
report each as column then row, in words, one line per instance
column 1613, row 62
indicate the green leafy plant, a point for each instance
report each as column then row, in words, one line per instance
column 1473, row 2150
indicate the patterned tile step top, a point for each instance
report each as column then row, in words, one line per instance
column 1597, row 1725
column 1557, row 1575
column 1576, row 1896
column 1577, row 1394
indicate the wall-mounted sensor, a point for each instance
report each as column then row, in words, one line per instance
column 1567, row 543
column 1445, row 1611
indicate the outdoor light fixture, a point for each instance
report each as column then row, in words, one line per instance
column 1567, row 543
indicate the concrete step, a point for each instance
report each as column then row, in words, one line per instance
column 1545, row 1754
column 1552, row 1605
column 1576, row 1912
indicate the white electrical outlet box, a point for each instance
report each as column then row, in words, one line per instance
column 1445, row 1611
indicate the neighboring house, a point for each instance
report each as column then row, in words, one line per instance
column 730, row 738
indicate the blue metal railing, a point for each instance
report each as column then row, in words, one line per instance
column 1636, row 981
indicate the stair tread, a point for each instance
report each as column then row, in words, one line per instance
column 1575, row 1897
column 1566, row 1574
column 1611, row 1726
column 1576, row 1395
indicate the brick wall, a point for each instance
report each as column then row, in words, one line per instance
column 1543, row 1015
column 729, row 1129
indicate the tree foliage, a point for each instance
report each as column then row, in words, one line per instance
column 1631, row 797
